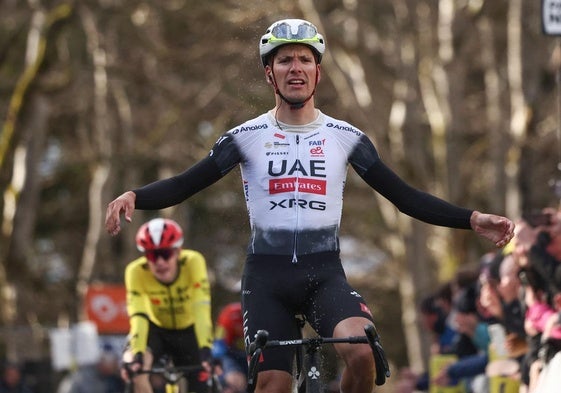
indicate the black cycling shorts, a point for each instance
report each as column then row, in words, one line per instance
column 182, row 347
column 274, row 290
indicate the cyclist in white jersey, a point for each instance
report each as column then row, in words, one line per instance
column 293, row 162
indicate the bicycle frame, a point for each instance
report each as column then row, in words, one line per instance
column 311, row 366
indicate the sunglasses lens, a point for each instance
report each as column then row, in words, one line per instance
column 281, row 31
column 164, row 253
column 306, row 32
column 284, row 32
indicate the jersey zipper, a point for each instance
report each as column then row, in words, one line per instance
column 296, row 204
column 171, row 309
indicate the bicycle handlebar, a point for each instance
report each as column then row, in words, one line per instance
column 171, row 374
column 380, row 361
column 255, row 349
column 372, row 338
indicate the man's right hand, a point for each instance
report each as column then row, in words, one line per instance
column 129, row 369
column 123, row 204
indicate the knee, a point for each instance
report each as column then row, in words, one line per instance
column 360, row 358
column 274, row 382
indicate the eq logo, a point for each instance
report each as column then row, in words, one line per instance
column 316, row 151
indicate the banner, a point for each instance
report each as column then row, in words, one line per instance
column 106, row 306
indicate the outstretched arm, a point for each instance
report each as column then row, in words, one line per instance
column 497, row 229
column 169, row 192
column 424, row 206
column 162, row 193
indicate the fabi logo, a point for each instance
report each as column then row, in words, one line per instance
column 316, row 149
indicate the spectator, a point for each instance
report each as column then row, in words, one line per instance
column 101, row 377
column 538, row 251
column 12, row 379
column 489, row 278
column 547, row 369
column 511, row 314
column 499, row 295
column 508, row 289
column 471, row 348
column 434, row 320
column 229, row 349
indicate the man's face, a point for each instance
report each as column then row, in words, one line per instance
column 294, row 68
column 466, row 322
column 554, row 247
column 509, row 284
column 525, row 237
column 163, row 264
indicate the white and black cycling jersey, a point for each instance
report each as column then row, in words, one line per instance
column 294, row 181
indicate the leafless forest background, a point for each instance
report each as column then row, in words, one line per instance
column 100, row 96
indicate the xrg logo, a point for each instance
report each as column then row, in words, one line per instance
column 301, row 203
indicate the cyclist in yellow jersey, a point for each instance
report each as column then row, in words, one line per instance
column 168, row 303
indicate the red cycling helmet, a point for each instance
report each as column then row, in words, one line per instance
column 159, row 233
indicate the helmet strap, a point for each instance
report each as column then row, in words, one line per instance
column 293, row 104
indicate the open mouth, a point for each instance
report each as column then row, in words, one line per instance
column 296, row 82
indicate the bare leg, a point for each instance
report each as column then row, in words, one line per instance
column 274, row 381
column 358, row 375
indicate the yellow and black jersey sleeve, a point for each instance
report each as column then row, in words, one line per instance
column 195, row 265
column 137, row 304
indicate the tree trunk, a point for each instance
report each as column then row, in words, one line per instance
column 100, row 167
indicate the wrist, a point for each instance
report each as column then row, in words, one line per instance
column 205, row 354
column 138, row 358
column 130, row 195
column 473, row 219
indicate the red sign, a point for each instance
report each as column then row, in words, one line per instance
column 106, row 306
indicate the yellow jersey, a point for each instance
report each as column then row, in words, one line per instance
column 178, row 305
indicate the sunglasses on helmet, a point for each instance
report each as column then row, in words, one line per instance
column 164, row 253
column 283, row 32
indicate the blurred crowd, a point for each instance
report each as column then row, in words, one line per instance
column 12, row 379
column 497, row 328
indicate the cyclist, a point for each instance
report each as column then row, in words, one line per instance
column 168, row 303
column 293, row 162
column 229, row 349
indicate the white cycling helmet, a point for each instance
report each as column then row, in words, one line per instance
column 291, row 31
column 159, row 233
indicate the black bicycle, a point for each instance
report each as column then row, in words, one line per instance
column 308, row 370
column 174, row 377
